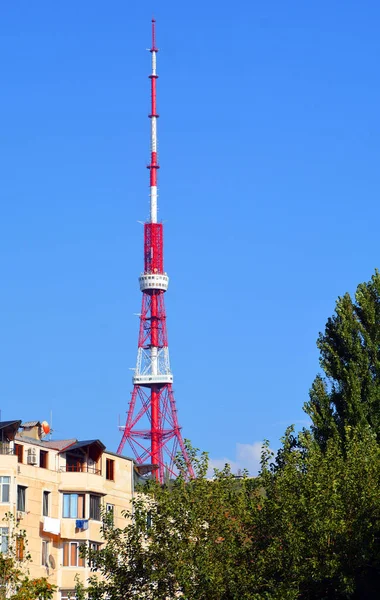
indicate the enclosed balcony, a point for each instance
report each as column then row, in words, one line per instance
column 83, row 457
column 81, row 466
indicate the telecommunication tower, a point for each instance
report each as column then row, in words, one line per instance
column 152, row 429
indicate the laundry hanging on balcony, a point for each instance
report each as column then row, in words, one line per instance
column 52, row 525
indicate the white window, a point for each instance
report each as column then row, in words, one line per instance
column 110, row 512
column 45, row 553
column 94, row 547
column 71, row 555
column 5, row 483
column 4, row 539
column 73, row 506
column 68, row 595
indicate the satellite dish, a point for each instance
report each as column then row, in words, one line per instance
column 45, row 427
column 52, row 561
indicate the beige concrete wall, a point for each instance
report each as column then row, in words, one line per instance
column 56, row 481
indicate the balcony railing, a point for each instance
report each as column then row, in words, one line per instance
column 6, row 449
column 81, row 469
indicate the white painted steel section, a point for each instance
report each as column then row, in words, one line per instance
column 154, row 133
column 154, row 62
column 153, row 281
column 152, row 366
column 154, row 360
column 153, row 189
column 153, row 204
column 139, row 361
column 152, row 379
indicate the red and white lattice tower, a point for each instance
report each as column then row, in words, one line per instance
column 152, row 428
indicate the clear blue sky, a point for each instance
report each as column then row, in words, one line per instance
column 269, row 189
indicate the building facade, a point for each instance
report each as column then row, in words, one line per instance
column 57, row 490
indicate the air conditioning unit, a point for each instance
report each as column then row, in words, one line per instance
column 31, row 458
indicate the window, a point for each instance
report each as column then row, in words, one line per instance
column 73, row 506
column 20, row 547
column 75, row 463
column 95, row 507
column 109, row 514
column 71, row 555
column 5, row 447
column 4, row 538
column 68, row 595
column 94, row 547
column 19, row 451
column 110, row 470
column 45, row 553
column 44, row 459
column 45, row 503
column 5, row 483
column 21, row 495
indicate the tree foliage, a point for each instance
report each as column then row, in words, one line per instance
column 320, row 522
column 15, row 583
column 350, row 358
column 190, row 538
column 308, row 527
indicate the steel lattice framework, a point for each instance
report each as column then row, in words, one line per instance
column 152, row 428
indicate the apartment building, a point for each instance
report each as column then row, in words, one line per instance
column 57, row 489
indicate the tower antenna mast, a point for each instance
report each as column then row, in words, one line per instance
column 152, row 429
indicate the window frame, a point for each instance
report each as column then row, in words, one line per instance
column 95, row 511
column 67, row 556
column 68, row 594
column 93, row 547
column 19, row 451
column 21, row 498
column 3, row 486
column 110, row 514
column 4, row 540
column 72, row 508
column 44, row 458
column 46, row 504
column 45, row 552
column 110, row 469
column 20, row 547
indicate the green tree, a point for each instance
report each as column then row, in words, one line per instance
column 307, row 528
column 15, row 583
column 319, row 528
column 189, row 537
column 350, row 359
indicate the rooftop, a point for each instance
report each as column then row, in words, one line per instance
column 14, row 430
column 52, row 444
column 30, row 424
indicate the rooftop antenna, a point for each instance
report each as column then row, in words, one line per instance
column 51, row 425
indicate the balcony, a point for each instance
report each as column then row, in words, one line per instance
column 81, row 479
column 81, row 468
column 6, row 449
